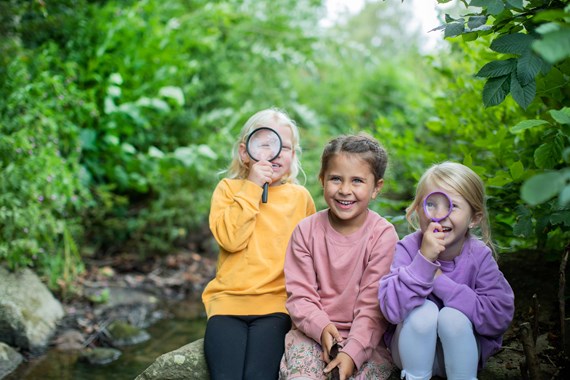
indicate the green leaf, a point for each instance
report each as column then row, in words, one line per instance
column 534, row 191
column 493, row 6
column 554, row 46
column 116, row 78
column 517, row 43
column 496, row 90
column 528, row 66
column 561, row 217
column 523, row 224
column 561, row 116
column 128, row 148
column 523, row 95
column 564, row 196
column 547, row 155
column 87, row 137
column 527, row 124
column 517, row 170
column 517, row 4
column 174, row 93
column 454, row 29
column 495, row 69
column 476, row 21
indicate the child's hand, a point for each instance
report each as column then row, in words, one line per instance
column 432, row 242
column 329, row 336
column 260, row 173
column 345, row 366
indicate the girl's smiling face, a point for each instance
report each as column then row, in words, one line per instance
column 456, row 225
column 348, row 187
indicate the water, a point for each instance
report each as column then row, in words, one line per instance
column 166, row 335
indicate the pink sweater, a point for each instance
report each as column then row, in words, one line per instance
column 334, row 278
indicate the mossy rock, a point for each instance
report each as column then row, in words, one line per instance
column 187, row 362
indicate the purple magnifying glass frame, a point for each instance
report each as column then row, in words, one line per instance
column 437, row 206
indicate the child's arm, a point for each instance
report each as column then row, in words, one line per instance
column 233, row 213
column 489, row 305
column 303, row 301
column 409, row 282
column 368, row 324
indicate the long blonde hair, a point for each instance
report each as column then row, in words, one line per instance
column 271, row 117
column 462, row 180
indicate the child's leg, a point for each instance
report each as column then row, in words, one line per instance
column 265, row 345
column 459, row 344
column 224, row 346
column 413, row 344
column 302, row 358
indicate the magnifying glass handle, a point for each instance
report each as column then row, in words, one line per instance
column 264, row 195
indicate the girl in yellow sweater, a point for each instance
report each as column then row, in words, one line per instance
column 245, row 302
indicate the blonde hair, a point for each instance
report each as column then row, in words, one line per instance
column 271, row 118
column 462, row 180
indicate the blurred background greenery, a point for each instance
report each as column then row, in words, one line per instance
column 117, row 115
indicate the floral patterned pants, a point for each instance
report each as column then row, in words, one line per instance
column 303, row 358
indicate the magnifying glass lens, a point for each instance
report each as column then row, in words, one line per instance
column 264, row 144
column 437, row 206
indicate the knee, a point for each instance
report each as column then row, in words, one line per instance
column 451, row 322
column 423, row 319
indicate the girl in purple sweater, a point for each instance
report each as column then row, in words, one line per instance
column 334, row 261
column 445, row 294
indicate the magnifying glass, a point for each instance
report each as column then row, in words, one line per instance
column 437, row 206
column 263, row 144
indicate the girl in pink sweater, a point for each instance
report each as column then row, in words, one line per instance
column 333, row 263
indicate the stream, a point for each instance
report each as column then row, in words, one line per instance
column 166, row 335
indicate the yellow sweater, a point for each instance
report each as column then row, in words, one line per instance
column 252, row 237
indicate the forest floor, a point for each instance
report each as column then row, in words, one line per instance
column 535, row 282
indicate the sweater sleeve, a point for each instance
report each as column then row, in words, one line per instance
column 369, row 325
column 303, row 301
column 233, row 214
column 408, row 284
column 489, row 305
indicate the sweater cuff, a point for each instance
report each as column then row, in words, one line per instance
column 422, row 269
column 316, row 327
column 354, row 349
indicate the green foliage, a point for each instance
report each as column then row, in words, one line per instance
column 43, row 193
column 531, row 64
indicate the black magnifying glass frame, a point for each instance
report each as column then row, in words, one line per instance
column 250, row 152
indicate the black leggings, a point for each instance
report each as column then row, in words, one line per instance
column 245, row 347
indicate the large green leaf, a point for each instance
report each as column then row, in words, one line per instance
column 454, row 29
column 527, row 124
column 547, row 155
column 528, row 66
column 561, row 116
column 522, row 94
column 554, row 45
column 541, row 188
column 477, row 21
column 496, row 90
column 495, row 69
column 493, row 6
column 517, row 43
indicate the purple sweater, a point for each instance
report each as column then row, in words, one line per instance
column 333, row 278
column 472, row 283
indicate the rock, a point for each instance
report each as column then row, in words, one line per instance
column 99, row 355
column 69, row 340
column 125, row 334
column 187, row 362
column 10, row 359
column 28, row 311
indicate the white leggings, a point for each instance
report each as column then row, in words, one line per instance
column 435, row 342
